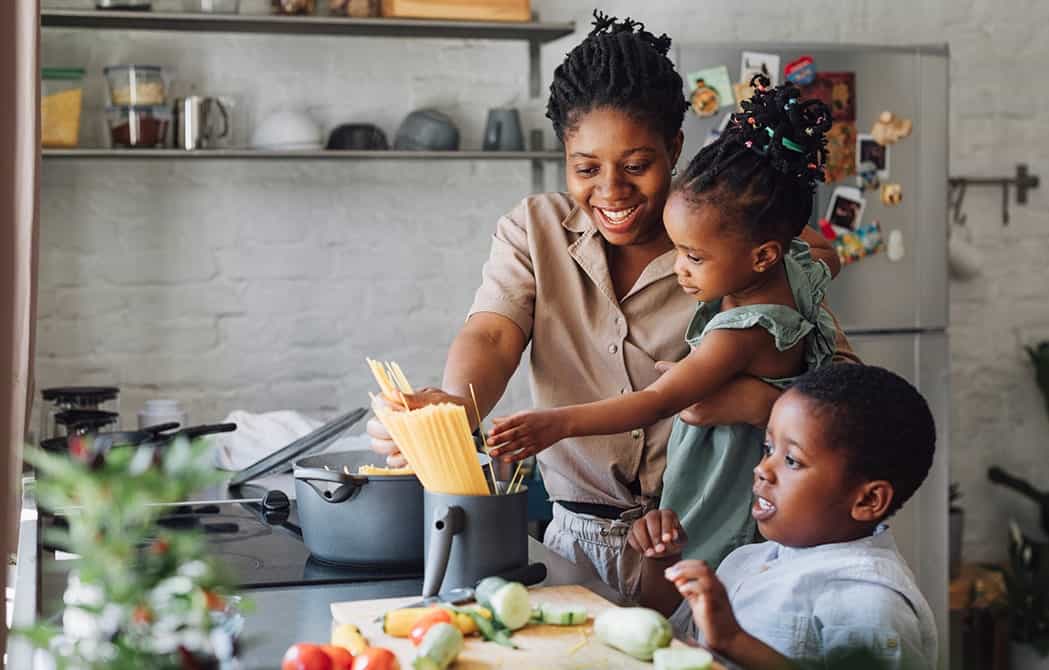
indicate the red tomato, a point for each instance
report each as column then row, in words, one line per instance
column 305, row 657
column 341, row 658
column 438, row 615
column 376, row 658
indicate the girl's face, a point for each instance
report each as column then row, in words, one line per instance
column 618, row 171
column 712, row 262
column 803, row 493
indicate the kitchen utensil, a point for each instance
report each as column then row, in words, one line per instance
column 199, row 122
column 287, row 129
column 357, row 137
column 84, row 421
column 211, row 6
column 468, row 538
column 64, row 398
column 354, row 519
column 529, row 575
column 503, row 132
column 427, row 130
column 158, row 435
column 1000, row 476
column 138, row 85
column 477, row 10
column 61, row 99
column 144, row 127
column 279, row 460
column 537, row 646
column 160, row 410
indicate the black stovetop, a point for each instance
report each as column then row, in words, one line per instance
column 261, row 552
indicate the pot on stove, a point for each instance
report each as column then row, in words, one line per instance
column 352, row 519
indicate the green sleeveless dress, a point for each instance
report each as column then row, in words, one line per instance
column 709, row 472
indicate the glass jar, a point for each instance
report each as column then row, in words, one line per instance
column 61, row 99
column 71, row 399
column 293, row 6
column 144, row 127
column 136, row 85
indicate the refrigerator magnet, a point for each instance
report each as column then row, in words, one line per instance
column 837, row 90
column 845, row 209
column 894, row 249
column 855, row 245
column 711, row 90
column 753, row 63
column 870, row 151
column 841, row 152
column 890, row 129
column 800, row 72
column 867, row 176
column 891, row 195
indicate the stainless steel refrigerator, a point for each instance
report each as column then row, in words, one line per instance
column 894, row 311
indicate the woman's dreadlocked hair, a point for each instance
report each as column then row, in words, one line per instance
column 622, row 66
column 763, row 168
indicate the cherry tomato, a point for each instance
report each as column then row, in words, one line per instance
column 305, row 657
column 376, row 658
column 341, row 659
column 438, row 615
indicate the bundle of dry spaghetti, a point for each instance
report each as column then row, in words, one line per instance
column 435, row 439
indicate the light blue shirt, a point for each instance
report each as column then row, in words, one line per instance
column 815, row 603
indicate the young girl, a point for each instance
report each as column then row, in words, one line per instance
column 734, row 218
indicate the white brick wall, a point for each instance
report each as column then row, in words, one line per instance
column 264, row 285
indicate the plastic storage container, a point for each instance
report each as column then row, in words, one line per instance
column 138, row 126
column 61, row 99
column 64, row 399
column 138, row 85
column 161, row 410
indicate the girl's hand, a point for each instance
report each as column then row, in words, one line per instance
column 525, row 433
column 658, row 534
column 711, row 609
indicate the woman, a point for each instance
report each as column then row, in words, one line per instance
column 587, row 278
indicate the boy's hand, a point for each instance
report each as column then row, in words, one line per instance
column 658, row 534
column 710, row 605
column 526, row 433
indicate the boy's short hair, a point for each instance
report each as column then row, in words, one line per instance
column 880, row 419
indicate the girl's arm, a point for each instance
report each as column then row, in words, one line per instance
column 722, row 355
column 822, row 249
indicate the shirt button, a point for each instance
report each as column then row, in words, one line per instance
column 636, row 433
column 891, row 643
column 618, row 320
column 612, row 348
column 622, row 390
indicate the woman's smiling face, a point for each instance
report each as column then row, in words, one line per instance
column 618, row 172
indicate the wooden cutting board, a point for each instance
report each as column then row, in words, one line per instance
column 460, row 10
column 540, row 647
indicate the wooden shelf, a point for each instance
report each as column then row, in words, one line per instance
column 535, row 32
column 320, row 154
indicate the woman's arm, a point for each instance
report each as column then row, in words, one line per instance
column 822, row 249
column 722, row 355
column 485, row 354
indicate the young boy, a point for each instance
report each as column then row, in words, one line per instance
column 846, row 446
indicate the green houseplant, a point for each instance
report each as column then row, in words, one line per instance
column 1039, row 354
column 141, row 595
column 1027, row 592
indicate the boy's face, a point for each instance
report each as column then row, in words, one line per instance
column 804, row 494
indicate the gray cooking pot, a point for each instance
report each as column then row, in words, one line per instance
column 351, row 519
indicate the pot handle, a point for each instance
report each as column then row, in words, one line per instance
column 347, row 489
column 447, row 523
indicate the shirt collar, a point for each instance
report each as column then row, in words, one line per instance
column 879, row 539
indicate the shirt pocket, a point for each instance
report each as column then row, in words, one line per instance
column 859, row 646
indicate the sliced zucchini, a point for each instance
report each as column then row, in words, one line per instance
column 486, row 587
column 563, row 615
column 439, row 647
column 680, row 658
column 511, row 606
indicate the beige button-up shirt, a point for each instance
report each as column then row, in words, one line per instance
column 548, row 273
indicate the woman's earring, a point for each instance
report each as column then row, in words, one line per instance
column 673, row 172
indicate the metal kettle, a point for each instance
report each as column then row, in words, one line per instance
column 199, row 122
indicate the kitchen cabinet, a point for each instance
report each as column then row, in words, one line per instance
column 534, row 33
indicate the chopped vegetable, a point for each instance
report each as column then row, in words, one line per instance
column 510, row 605
column 376, row 658
column 439, row 647
column 486, row 587
column 435, row 616
column 349, row 637
column 682, row 658
column 562, row 615
column 341, row 658
column 303, row 656
column 633, row 630
column 490, row 631
column 399, row 623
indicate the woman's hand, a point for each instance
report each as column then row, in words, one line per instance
column 526, row 433
column 381, row 441
column 711, row 608
column 745, row 399
column 658, row 534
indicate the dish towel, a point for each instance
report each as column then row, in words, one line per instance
column 258, row 435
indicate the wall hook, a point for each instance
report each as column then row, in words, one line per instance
column 1024, row 181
